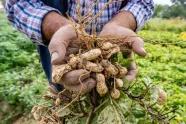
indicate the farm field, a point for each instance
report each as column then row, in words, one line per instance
column 22, row 81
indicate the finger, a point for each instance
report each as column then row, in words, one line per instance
column 74, row 77
column 75, row 43
column 57, row 51
column 138, row 46
column 53, row 90
column 131, row 74
column 71, row 50
column 65, row 60
column 59, row 43
column 84, row 87
column 93, row 75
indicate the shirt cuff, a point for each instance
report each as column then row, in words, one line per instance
column 140, row 13
column 36, row 35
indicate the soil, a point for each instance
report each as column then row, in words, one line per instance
column 25, row 120
column 6, row 110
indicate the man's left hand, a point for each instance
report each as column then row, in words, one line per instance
column 135, row 43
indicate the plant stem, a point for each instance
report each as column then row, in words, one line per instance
column 90, row 114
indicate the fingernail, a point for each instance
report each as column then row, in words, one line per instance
column 54, row 56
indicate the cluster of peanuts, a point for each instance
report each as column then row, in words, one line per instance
column 109, row 77
column 96, row 60
column 42, row 116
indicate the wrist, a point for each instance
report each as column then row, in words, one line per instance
column 51, row 23
column 124, row 19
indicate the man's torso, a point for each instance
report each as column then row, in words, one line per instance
column 89, row 7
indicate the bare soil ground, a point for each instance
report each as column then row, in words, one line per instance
column 25, row 120
column 6, row 109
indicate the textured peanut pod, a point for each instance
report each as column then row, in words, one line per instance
column 109, row 67
column 94, row 67
column 49, row 97
column 119, row 82
column 107, row 75
column 80, row 65
column 105, row 52
column 101, row 86
column 91, row 54
column 71, row 55
column 122, row 72
column 39, row 108
column 106, row 46
column 37, row 116
column 125, row 49
column 43, row 121
column 73, row 62
column 115, row 93
column 162, row 97
column 59, row 71
column 34, row 109
column 51, row 120
column 112, row 52
column 57, row 102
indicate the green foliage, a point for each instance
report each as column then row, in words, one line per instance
column 166, row 66
column 177, row 9
column 21, row 75
column 122, row 59
column 178, row 2
column 120, row 111
column 158, row 11
column 176, row 25
column 163, row 37
column 106, row 116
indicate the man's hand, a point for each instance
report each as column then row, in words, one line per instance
column 123, row 25
column 60, row 47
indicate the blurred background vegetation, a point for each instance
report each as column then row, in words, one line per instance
column 177, row 9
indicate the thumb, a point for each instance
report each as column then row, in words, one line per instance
column 138, row 46
column 57, row 51
column 59, row 43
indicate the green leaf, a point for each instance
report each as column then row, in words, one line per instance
column 147, row 81
column 63, row 113
column 128, row 122
column 125, row 104
column 120, row 56
column 75, row 120
column 138, row 111
column 131, row 118
column 142, row 121
column 72, row 121
column 153, row 94
column 81, row 120
column 109, row 116
column 126, row 83
column 124, row 62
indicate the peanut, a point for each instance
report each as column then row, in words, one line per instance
column 59, row 71
column 101, row 86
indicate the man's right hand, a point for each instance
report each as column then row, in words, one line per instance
column 61, row 45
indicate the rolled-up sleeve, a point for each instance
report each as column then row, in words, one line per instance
column 27, row 16
column 141, row 9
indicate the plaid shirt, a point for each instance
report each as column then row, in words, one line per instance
column 27, row 15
